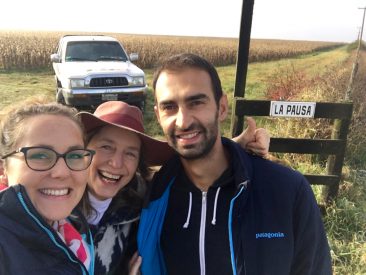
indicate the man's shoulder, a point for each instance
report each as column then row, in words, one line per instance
column 264, row 173
column 277, row 180
column 275, row 168
column 258, row 166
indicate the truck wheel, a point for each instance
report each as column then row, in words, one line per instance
column 141, row 105
column 60, row 98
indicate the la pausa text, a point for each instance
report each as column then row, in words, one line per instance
column 292, row 109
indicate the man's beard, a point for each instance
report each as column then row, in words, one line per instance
column 198, row 150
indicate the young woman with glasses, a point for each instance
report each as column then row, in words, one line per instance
column 45, row 161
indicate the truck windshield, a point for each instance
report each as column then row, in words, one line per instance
column 94, row 51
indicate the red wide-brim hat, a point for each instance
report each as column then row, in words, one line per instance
column 125, row 116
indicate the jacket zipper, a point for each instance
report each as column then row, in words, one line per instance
column 231, row 243
column 202, row 233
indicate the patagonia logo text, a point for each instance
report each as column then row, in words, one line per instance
column 269, row 235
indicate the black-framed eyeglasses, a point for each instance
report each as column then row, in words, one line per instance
column 43, row 158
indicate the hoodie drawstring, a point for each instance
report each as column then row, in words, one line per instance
column 215, row 206
column 213, row 222
column 189, row 211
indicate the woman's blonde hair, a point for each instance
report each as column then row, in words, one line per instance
column 14, row 118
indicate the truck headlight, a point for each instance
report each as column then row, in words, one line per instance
column 138, row 80
column 77, row 83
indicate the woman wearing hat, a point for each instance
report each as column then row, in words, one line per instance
column 115, row 185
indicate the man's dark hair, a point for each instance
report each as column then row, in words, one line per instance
column 183, row 61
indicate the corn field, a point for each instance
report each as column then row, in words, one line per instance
column 32, row 50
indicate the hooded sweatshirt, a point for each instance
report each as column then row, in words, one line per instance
column 266, row 222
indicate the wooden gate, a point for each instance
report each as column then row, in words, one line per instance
column 334, row 148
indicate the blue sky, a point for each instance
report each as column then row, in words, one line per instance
column 321, row 20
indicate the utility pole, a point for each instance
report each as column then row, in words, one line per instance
column 355, row 64
column 360, row 36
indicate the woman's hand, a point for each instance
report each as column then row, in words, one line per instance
column 134, row 264
column 254, row 140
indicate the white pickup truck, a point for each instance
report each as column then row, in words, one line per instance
column 90, row 70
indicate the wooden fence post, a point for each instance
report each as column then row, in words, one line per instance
column 335, row 162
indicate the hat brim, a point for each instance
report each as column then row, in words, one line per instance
column 155, row 152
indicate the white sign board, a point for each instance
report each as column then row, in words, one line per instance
column 292, row 109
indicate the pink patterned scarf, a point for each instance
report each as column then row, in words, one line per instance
column 74, row 241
